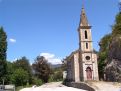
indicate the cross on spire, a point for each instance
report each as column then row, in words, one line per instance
column 83, row 20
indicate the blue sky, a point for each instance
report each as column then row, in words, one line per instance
column 49, row 27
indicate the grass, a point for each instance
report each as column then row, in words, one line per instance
column 19, row 88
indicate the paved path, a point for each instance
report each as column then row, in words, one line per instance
column 57, row 86
column 54, row 86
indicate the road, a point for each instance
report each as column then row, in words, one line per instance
column 54, row 86
column 57, row 86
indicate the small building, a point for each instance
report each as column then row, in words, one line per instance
column 82, row 63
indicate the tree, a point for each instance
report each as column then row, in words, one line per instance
column 103, row 54
column 64, row 65
column 24, row 64
column 57, row 75
column 10, row 71
column 3, row 49
column 113, row 68
column 117, row 26
column 110, row 52
column 20, row 77
column 42, row 68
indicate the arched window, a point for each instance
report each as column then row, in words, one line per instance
column 85, row 34
column 86, row 45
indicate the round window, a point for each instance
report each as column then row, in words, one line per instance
column 87, row 57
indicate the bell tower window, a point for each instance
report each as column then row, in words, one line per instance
column 85, row 34
column 86, row 45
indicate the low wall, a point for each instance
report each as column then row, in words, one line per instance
column 7, row 88
column 79, row 85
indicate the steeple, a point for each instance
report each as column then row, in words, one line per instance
column 85, row 37
column 83, row 20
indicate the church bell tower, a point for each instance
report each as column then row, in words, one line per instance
column 85, row 37
column 87, row 57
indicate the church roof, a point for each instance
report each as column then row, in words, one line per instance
column 83, row 20
column 72, row 54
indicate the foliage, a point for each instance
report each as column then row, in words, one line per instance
column 19, row 77
column 42, row 68
column 117, row 27
column 3, row 44
column 10, row 70
column 106, row 43
column 3, row 49
column 103, row 54
column 64, row 65
column 36, row 81
column 24, row 64
column 19, row 88
column 58, row 72
column 57, row 75
column 102, row 64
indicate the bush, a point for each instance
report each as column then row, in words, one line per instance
column 58, row 76
column 20, row 77
column 36, row 81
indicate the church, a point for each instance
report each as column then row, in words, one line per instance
column 82, row 63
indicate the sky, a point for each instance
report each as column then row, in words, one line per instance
column 49, row 27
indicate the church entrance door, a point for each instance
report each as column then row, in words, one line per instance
column 89, row 73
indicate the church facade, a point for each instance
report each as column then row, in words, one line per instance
column 82, row 63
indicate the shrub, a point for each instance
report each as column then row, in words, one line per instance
column 37, row 81
column 20, row 77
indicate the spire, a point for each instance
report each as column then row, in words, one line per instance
column 83, row 20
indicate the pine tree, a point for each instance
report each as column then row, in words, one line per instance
column 3, row 49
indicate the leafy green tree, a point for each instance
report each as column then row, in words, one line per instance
column 64, row 65
column 36, row 81
column 104, row 43
column 42, row 68
column 10, row 70
column 107, row 46
column 3, row 49
column 103, row 54
column 117, row 26
column 113, row 72
column 58, row 75
column 24, row 64
column 20, row 77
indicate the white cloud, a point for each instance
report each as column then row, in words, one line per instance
column 12, row 40
column 51, row 58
